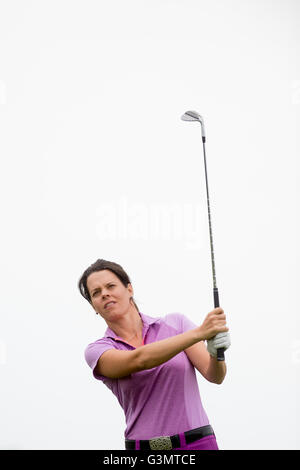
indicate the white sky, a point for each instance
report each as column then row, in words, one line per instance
column 96, row 163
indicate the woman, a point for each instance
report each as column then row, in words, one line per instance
column 149, row 363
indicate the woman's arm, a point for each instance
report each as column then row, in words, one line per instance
column 155, row 354
column 212, row 370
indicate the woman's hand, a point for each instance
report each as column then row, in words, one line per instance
column 222, row 340
column 214, row 323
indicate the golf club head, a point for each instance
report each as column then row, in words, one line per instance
column 191, row 116
column 194, row 116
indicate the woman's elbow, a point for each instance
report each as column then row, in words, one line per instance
column 216, row 380
column 219, row 381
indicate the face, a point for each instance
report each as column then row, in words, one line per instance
column 104, row 286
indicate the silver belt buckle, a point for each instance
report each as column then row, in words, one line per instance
column 160, row 443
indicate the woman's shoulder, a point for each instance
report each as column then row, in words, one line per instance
column 179, row 321
column 96, row 348
column 173, row 319
column 104, row 341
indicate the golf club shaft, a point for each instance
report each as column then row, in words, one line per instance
column 220, row 351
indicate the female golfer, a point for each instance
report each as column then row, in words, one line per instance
column 149, row 363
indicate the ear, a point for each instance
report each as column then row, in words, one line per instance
column 130, row 288
column 94, row 308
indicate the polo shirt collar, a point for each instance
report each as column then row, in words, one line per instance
column 146, row 319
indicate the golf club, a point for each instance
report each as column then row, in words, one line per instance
column 194, row 116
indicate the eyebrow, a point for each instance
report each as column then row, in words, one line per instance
column 99, row 288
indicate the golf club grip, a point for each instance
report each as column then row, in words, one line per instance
column 220, row 351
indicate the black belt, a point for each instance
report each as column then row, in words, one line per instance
column 170, row 442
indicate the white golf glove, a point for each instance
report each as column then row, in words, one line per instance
column 221, row 340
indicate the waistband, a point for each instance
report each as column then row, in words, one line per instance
column 170, row 442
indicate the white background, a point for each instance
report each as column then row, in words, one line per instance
column 96, row 163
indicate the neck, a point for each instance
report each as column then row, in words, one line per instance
column 129, row 326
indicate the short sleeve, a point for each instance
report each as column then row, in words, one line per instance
column 94, row 351
column 179, row 322
column 187, row 324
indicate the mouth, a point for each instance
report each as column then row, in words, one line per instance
column 109, row 304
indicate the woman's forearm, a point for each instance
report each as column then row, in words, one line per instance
column 155, row 354
column 215, row 371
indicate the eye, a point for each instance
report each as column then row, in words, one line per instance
column 97, row 292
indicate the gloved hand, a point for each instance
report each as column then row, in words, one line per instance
column 221, row 340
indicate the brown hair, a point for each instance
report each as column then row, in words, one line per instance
column 100, row 265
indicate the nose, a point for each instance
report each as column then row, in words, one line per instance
column 104, row 295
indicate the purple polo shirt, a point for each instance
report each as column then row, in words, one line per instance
column 161, row 401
